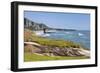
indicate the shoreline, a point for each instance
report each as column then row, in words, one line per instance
column 51, row 48
column 41, row 33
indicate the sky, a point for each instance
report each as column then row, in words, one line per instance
column 78, row 21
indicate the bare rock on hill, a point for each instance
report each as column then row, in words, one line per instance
column 57, row 51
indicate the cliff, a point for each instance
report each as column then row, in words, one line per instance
column 33, row 25
column 40, row 26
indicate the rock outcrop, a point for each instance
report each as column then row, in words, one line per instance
column 33, row 25
column 40, row 26
column 57, row 51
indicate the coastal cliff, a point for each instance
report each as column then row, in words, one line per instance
column 30, row 24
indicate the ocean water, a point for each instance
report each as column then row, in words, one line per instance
column 81, row 37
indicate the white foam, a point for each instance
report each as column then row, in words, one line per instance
column 80, row 34
column 41, row 33
column 38, row 32
column 68, row 32
column 45, row 35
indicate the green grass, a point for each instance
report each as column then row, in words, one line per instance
column 28, row 57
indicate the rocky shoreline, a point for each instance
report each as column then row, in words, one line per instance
column 55, row 51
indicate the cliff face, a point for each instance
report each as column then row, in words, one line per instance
column 33, row 25
column 40, row 26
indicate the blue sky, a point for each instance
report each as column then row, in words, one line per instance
column 60, row 20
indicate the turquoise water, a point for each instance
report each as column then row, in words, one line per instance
column 81, row 37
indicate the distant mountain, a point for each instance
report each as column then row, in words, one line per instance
column 33, row 25
column 40, row 26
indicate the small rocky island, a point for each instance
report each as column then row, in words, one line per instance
column 49, row 49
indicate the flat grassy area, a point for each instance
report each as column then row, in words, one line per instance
column 29, row 57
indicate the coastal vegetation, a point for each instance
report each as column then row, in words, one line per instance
column 31, row 37
column 39, row 48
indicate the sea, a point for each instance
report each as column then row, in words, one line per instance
column 81, row 37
